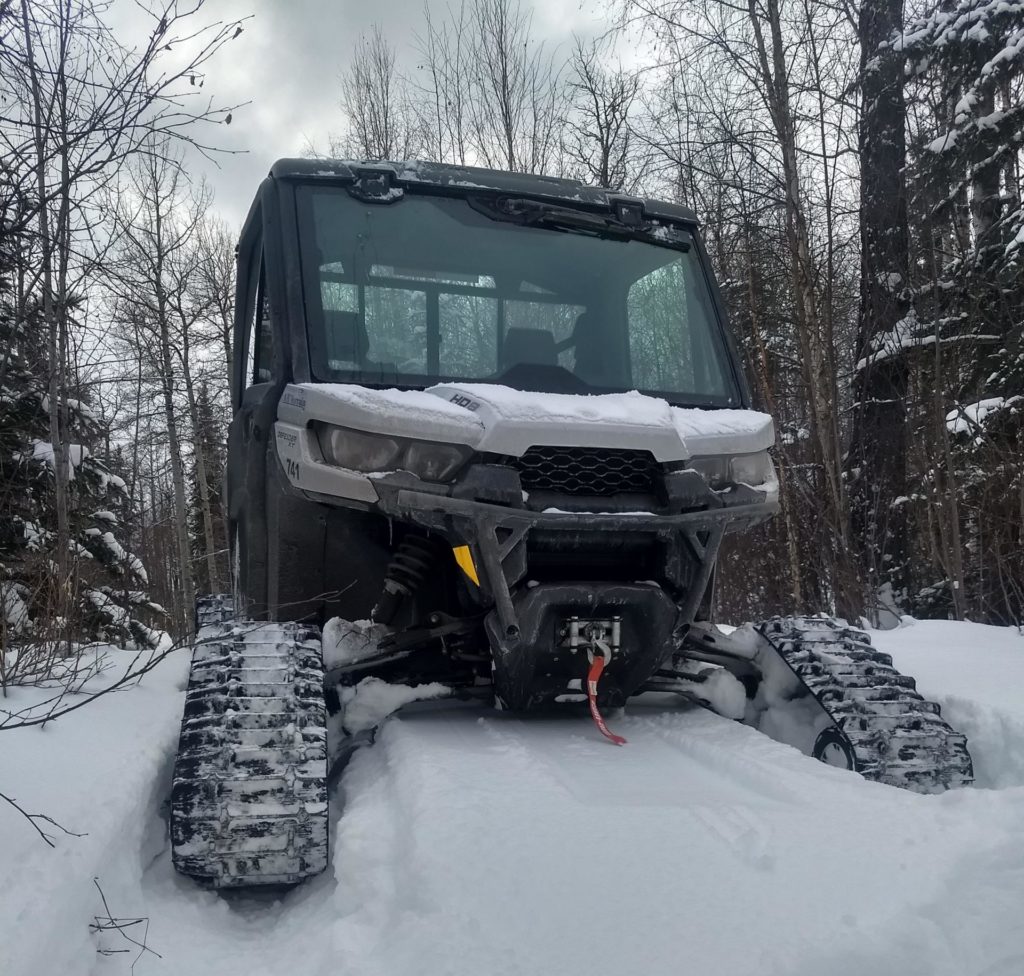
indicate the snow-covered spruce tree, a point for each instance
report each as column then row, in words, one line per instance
column 965, row 68
column 105, row 588
column 968, row 60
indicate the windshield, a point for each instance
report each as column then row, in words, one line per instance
column 430, row 289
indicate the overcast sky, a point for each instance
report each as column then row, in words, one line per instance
column 288, row 62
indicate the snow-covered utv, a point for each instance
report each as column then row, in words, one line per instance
column 499, row 416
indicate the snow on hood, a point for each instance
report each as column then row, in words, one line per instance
column 380, row 411
column 498, row 419
column 720, row 431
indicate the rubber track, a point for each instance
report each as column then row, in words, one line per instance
column 249, row 798
column 214, row 608
column 898, row 737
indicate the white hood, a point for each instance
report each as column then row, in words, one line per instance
column 500, row 420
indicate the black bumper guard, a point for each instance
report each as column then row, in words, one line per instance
column 494, row 531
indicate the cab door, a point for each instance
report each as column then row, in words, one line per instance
column 257, row 383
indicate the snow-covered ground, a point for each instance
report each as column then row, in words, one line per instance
column 977, row 675
column 478, row 843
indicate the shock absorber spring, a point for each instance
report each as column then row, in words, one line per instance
column 412, row 561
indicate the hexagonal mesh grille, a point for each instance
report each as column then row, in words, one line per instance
column 587, row 470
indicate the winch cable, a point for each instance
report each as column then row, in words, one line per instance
column 600, row 652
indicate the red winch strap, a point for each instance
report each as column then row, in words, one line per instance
column 593, row 675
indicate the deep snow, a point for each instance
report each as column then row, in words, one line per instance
column 479, row 843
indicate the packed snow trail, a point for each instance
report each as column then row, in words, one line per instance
column 474, row 842
column 489, row 844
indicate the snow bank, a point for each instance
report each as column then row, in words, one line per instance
column 976, row 673
column 525, row 847
column 102, row 771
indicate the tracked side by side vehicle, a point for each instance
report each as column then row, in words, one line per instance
column 501, row 417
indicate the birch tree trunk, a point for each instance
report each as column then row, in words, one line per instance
column 812, row 339
column 762, row 374
column 163, row 311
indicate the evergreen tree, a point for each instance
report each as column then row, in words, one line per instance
column 105, row 588
column 967, row 59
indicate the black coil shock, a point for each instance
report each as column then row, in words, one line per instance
column 412, row 561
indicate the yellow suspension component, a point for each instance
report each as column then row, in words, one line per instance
column 465, row 560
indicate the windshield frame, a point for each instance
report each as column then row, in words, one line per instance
column 724, row 351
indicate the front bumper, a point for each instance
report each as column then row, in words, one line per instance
column 497, row 536
column 534, row 567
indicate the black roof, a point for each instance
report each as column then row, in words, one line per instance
column 462, row 178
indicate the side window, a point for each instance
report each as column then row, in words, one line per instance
column 670, row 345
column 396, row 328
column 468, row 334
column 263, row 355
column 553, row 318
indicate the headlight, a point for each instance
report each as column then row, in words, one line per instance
column 752, row 469
column 755, row 470
column 358, row 450
column 433, row 462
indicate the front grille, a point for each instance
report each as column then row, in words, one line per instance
column 588, row 470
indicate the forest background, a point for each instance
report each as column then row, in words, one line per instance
column 856, row 167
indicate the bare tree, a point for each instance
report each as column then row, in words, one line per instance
column 380, row 119
column 518, row 91
column 598, row 139
column 82, row 103
column 158, row 226
column 758, row 108
column 442, row 105
column 216, row 282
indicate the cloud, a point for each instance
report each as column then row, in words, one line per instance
column 287, row 66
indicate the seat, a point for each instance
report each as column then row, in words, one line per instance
column 590, row 361
column 533, row 346
column 347, row 341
